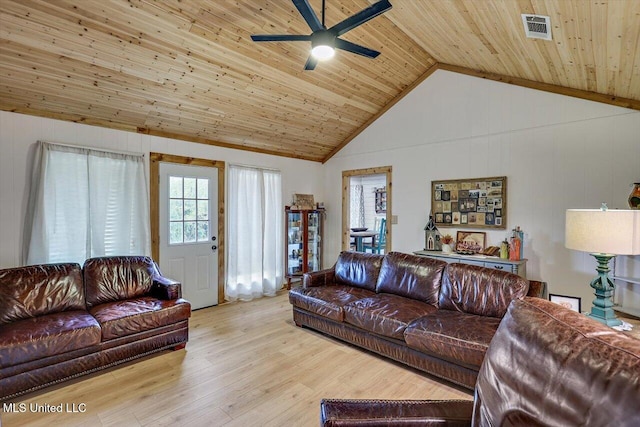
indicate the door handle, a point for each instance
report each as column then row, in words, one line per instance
column 214, row 247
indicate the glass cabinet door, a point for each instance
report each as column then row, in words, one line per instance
column 314, row 237
column 304, row 242
column 294, row 243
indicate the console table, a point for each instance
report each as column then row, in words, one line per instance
column 516, row 267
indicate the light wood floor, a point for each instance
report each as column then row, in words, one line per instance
column 246, row 364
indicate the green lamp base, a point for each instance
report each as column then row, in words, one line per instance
column 602, row 308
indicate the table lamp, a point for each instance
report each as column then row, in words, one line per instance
column 604, row 233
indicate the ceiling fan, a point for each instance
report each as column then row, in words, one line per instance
column 325, row 40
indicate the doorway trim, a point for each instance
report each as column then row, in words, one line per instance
column 346, row 201
column 154, row 206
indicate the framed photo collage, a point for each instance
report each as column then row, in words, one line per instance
column 472, row 203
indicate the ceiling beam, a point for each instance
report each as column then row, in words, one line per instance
column 633, row 104
column 207, row 141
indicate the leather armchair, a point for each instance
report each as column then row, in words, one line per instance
column 546, row 365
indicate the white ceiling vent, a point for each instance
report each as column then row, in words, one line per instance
column 537, row 26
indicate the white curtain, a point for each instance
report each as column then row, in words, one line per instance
column 85, row 203
column 357, row 206
column 255, row 235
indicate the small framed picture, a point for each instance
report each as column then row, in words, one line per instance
column 468, row 243
column 304, row 201
column 572, row 303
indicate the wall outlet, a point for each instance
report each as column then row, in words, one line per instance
column 394, row 219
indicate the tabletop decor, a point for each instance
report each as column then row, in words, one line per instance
column 303, row 201
column 604, row 233
column 634, row 196
column 432, row 236
column 470, row 243
column 447, row 241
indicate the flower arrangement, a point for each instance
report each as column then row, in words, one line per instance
column 447, row 239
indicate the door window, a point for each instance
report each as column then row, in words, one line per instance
column 188, row 210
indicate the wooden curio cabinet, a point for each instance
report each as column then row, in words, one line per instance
column 303, row 239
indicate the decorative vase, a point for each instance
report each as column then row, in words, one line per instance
column 504, row 249
column 634, row 197
column 446, row 248
column 514, row 248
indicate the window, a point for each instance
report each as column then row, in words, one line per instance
column 188, row 210
column 85, row 203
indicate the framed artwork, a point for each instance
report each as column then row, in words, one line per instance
column 303, row 201
column 469, row 242
column 475, row 202
column 572, row 303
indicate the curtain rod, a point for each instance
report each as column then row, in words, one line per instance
column 254, row 167
column 126, row 153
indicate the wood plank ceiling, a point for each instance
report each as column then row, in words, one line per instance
column 188, row 69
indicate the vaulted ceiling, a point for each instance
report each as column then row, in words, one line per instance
column 189, row 70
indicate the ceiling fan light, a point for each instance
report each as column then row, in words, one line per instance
column 323, row 52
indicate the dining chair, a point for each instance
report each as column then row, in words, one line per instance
column 380, row 242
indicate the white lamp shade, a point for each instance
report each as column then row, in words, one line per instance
column 610, row 231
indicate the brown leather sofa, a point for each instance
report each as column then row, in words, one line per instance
column 60, row 321
column 425, row 313
column 546, row 366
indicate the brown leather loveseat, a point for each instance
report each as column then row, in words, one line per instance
column 425, row 313
column 546, row 366
column 60, row 321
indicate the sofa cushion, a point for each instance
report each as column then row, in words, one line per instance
column 130, row 316
column 385, row 314
column 548, row 365
column 411, row 276
column 358, row 269
column 327, row 301
column 43, row 336
column 110, row 279
column 459, row 337
column 31, row 291
column 479, row 290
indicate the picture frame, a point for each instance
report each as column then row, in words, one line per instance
column 478, row 202
column 304, row 201
column 572, row 303
column 470, row 242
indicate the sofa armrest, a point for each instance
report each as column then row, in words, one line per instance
column 165, row 288
column 537, row 289
column 343, row 413
column 318, row 278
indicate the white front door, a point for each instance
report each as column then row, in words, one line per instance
column 188, row 230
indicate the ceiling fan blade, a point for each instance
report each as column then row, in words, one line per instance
column 361, row 17
column 356, row 48
column 311, row 63
column 279, row 37
column 308, row 14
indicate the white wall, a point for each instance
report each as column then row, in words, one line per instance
column 19, row 133
column 557, row 152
